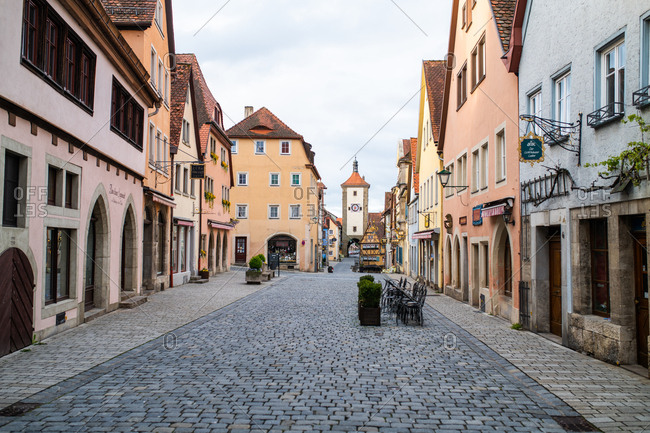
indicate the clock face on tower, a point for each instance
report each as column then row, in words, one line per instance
column 355, row 207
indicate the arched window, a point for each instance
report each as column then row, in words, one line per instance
column 161, row 243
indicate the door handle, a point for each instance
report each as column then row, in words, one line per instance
column 636, row 301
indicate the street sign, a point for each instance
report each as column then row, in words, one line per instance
column 197, row 171
column 531, row 148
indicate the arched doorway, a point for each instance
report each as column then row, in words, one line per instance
column 16, row 301
column 211, row 252
column 456, row 264
column 354, row 246
column 147, row 247
column 128, row 262
column 97, row 258
column 217, row 253
column 447, row 262
column 286, row 248
column 162, row 240
column 224, row 253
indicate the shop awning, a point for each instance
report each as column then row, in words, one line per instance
column 160, row 197
column 218, row 225
column 425, row 234
column 493, row 211
column 183, row 222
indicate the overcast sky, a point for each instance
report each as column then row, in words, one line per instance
column 335, row 71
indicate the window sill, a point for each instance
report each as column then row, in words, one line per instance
column 55, row 308
column 477, row 84
column 500, row 181
column 125, row 138
column 461, row 105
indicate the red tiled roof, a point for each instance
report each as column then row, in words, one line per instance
column 504, row 12
column 339, row 221
column 406, row 146
column 434, row 76
column 179, row 86
column 375, row 218
column 414, row 154
column 263, row 124
column 388, row 200
column 355, row 179
column 130, row 12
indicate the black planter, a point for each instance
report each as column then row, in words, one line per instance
column 204, row 274
column 369, row 316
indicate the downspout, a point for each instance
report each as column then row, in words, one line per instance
column 201, row 222
column 157, row 105
column 171, row 220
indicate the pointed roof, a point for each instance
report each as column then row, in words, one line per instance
column 355, row 179
column 504, row 12
column 262, row 124
column 178, row 90
column 375, row 219
column 434, row 76
column 416, row 175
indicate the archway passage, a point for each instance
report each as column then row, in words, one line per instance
column 97, row 258
column 147, row 247
column 16, row 301
column 211, row 252
column 354, row 246
column 224, row 253
column 128, row 260
column 217, row 252
column 286, row 248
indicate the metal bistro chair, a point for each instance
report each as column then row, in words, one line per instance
column 411, row 308
column 389, row 295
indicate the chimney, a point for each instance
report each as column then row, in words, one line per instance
column 248, row 110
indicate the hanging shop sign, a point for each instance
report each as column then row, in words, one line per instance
column 477, row 217
column 197, row 171
column 531, row 148
column 462, row 221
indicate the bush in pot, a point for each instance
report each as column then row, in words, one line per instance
column 369, row 299
column 254, row 273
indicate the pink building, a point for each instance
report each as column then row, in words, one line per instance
column 214, row 196
column 73, row 104
column 479, row 140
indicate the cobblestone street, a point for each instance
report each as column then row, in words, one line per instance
column 292, row 357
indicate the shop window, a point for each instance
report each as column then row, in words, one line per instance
column 57, row 267
column 599, row 267
column 285, row 248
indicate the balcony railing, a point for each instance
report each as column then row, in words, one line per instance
column 641, row 98
column 609, row 113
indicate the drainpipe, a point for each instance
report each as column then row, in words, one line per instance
column 157, row 105
column 201, row 222
column 171, row 219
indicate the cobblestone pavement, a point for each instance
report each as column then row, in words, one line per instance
column 292, row 357
column 610, row 397
column 79, row 349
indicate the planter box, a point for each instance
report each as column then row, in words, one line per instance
column 369, row 316
column 204, row 275
column 255, row 277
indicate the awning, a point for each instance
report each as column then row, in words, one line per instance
column 493, row 211
column 183, row 222
column 160, row 198
column 218, row 225
column 425, row 234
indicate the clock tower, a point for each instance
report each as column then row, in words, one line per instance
column 355, row 208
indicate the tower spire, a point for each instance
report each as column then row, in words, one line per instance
column 355, row 166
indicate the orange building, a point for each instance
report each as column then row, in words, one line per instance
column 479, row 140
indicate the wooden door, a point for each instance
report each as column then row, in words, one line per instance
column 555, row 286
column 240, row 250
column 16, row 301
column 641, row 298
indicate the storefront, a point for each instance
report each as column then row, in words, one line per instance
column 428, row 248
column 183, row 251
column 286, row 248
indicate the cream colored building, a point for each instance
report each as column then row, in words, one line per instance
column 275, row 198
column 428, row 164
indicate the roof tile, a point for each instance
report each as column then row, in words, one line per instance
column 130, row 12
column 504, row 12
column 434, row 76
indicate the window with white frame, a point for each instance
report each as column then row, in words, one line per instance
column 432, row 181
column 165, row 153
column 476, row 170
column 535, row 108
column 161, row 73
column 461, row 170
column 296, row 179
column 484, row 166
column 501, row 156
column 186, row 180
column 461, row 86
column 448, row 190
column 274, row 211
column 436, row 182
column 233, row 146
column 478, row 62
column 274, row 179
column 294, row 211
column 645, row 53
column 177, row 184
column 152, row 144
column 242, row 178
column 166, row 88
column 186, row 132
column 260, row 147
column 285, row 147
column 158, row 16
column 192, row 188
column 612, row 83
column 154, row 62
column 159, row 144
column 242, row 211
column 562, row 94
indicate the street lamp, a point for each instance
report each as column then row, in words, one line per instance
column 444, row 176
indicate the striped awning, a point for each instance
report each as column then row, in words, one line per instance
column 493, row 211
column 425, row 234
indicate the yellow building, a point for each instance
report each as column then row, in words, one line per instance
column 275, row 198
column 148, row 30
column 428, row 164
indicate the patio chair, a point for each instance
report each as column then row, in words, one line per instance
column 412, row 308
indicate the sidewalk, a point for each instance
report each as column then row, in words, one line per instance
column 69, row 353
column 610, row 397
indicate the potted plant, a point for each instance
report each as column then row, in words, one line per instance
column 204, row 274
column 214, row 157
column 254, row 273
column 369, row 297
column 224, row 164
